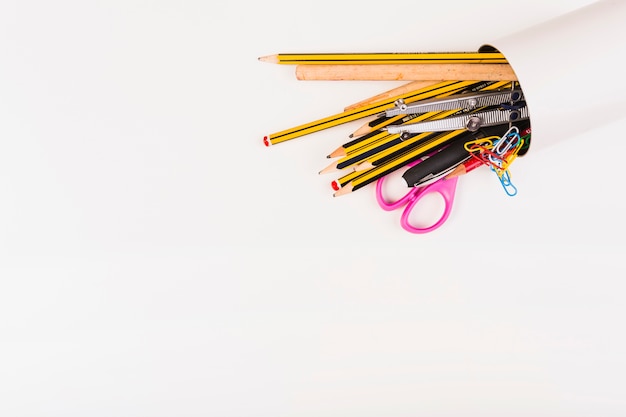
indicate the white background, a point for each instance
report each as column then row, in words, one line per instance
column 157, row 260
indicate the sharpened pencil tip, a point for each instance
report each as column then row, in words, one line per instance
column 330, row 168
column 337, row 152
column 351, row 135
column 269, row 58
column 343, row 190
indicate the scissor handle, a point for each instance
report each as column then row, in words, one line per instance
column 446, row 188
column 392, row 205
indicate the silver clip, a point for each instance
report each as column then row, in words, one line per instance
column 471, row 121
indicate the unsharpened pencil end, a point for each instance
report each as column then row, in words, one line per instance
column 266, row 141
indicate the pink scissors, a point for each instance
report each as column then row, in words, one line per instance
column 446, row 187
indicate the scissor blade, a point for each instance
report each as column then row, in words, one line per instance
column 466, row 101
column 470, row 121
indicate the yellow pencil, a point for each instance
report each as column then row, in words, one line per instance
column 361, row 112
column 369, row 137
column 382, row 150
column 359, row 179
column 378, row 58
column 356, row 144
column 385, row 121
column 372, row 156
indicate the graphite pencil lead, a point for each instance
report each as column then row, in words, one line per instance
column 269, row 58
column 339, row 152
column 363, row 130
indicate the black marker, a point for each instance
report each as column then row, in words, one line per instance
column 448, row 158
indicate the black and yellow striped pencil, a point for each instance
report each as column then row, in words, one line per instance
column 389, row 144
column 361, row 112
column 369, row 142
column 376, row 58
column 358, row 179
column 383, row 121
column 399, row 146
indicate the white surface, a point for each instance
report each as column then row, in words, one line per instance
column 581, row 65
column 157, row 260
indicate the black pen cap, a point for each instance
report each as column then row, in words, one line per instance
column 433, row 166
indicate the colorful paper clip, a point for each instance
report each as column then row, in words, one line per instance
column 498, row 155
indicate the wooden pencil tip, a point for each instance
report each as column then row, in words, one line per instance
column 337, row 153
column 269, row 58
column 330, row 168
column 351, row 135
column 363, row 166
column 346, row 189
